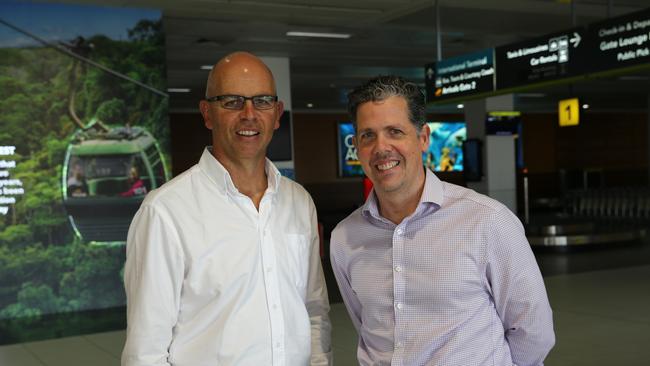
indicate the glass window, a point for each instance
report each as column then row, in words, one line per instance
column 106, row 175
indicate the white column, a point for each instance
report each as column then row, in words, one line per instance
column 500, row 170
column 499, row 174
column 280, row 68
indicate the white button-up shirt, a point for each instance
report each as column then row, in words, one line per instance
column 210, row 280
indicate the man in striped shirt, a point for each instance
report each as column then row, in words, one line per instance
column 432, row 273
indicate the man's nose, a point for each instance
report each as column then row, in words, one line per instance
column 248, row 110
column 382, row 143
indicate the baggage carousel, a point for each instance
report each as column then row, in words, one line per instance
column 581, row 234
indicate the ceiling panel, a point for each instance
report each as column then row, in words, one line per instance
column 388, row 36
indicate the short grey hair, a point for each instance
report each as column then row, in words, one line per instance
column 384, row 87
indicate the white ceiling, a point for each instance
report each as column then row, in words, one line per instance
column 388, row 36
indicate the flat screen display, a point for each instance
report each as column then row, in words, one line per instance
column 280, row 147
column 473, row 160
column 349, row 164
column 445, row 153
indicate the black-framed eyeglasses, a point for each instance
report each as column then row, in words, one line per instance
column 236, row 102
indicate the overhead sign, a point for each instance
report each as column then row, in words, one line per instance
column 546, row 58
column 620, row 42
column 569, row 112
column 458, row 76
column 611, row 44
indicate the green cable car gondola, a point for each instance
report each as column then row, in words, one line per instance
column 105, row 177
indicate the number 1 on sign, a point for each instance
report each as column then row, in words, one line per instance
column 568, row 112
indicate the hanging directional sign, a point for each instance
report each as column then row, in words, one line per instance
column 612, row 44
column 620, row 42
column 551, row 57
column 459, row 76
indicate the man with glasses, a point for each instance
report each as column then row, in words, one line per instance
column 223, row 264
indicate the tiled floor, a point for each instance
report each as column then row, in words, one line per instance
column 601, row 318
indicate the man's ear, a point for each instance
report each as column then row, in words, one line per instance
column 280, row 111
column 425, row 132
column 204, row 108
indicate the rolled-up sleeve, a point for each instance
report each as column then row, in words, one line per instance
column 153, row 276
column 518, row 290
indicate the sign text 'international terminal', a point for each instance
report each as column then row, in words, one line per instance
column 462, row 75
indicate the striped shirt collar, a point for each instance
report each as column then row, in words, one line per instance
column 431, row 199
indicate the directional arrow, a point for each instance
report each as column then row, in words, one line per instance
column 429, row 73
column 575, row 40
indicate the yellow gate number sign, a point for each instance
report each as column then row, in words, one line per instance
column 569, row 112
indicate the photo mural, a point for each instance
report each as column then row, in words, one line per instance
column 84, row 136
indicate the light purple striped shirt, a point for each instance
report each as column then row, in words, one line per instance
column 453, row 284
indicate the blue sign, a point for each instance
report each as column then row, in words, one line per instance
column 463, row 75
column 349, row 164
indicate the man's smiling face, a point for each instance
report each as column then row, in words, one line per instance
column 389, row 146
column 241, row 134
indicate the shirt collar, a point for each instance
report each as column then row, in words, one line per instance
column 432, row 196
column 220, row 176
column 433, row 192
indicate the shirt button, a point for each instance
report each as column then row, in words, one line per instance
column 399, row 231
column 274, row 306
column 398, row 345
column 399, row 306
column 398, row 268
column 269, row 269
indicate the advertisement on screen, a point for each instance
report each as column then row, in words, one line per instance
column 84, row 136
column 349, row 164
column 445, row 153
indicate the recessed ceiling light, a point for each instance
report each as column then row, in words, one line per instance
column 206, row 67
column 310, row 105
column 178, row 90
column 318, row 34
column 460, row 106
column 585, row 106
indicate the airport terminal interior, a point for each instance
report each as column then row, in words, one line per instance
column 543, row 105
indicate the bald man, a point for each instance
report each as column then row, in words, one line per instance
column 223, row 263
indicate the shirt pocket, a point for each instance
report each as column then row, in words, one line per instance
column 298, row 258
